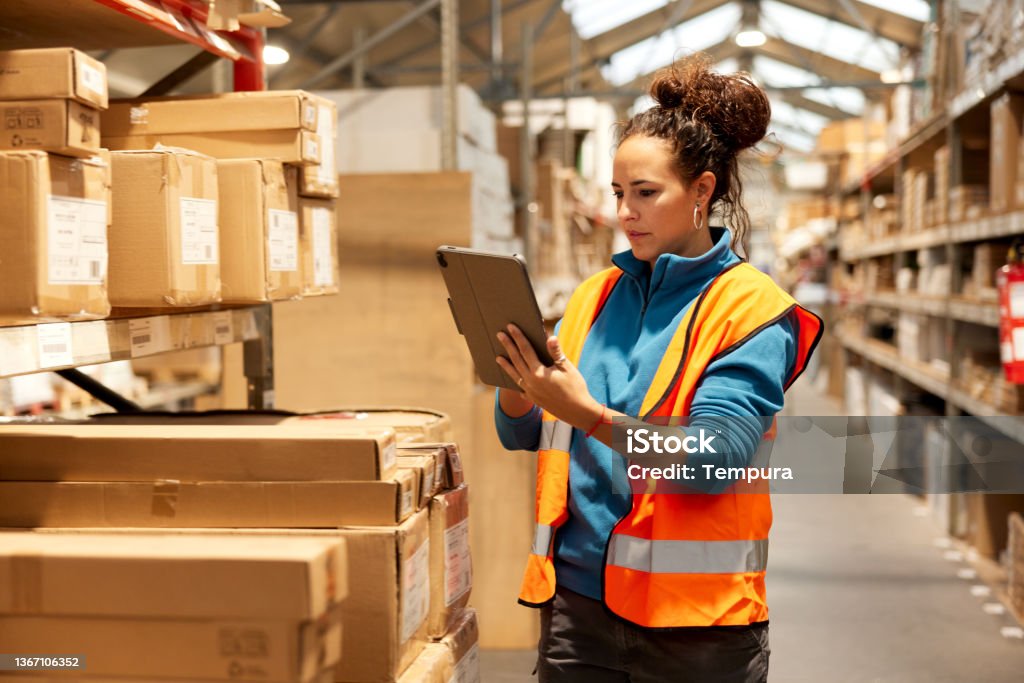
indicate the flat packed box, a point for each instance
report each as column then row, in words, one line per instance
column 170, row 577
column 451, row 566
column 463, row 643
column 271, row 504
column 438, row 455
column 200, row 649
column 59, row 126
column 423, row 470
column 321, row 180
column 185, row 452
column 227, row 112
column 318, row 242
column 54, row 232
column 449, row 452
column 432, row 666
column 164, row 238
column 289, row 146
column 259, row 232
column 411, row 424
column 52, row 73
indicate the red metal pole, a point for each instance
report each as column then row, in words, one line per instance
column 250, row 74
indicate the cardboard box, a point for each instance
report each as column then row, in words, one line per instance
column 207, row 649
column 289, row 146
column 410, row 424
column 52, row 73
column 423, row 469
column 1007, row 113
column 254, row 111
column 164, row 238
column 432, row 666
column 54, row 233
column 438, row 456
column 321, row 180
column 988, row 520
column 318, row 243
column 173, row 577
column 193, row 453
column 448, row 453
column 259, row 232
column 59, row 126
column 463, row 645
column 451, row 565
column 215, row 504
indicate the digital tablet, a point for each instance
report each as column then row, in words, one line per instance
column 486, row 292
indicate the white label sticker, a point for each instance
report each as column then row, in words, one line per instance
column 323, row 261
column 54, row 345
column 458, row 568
column 92, row 78
column 407, row 504
column 325, row 172
column 312, row 151
column 428, row 481
column 1017, row 300
column 415, row 590
column 76, row 240
column 283, row 240
column 93, row 341
column 468, row 668
column 1018, row 343
column 309, row 114
column 198, row 231
column 223, row 330
column 149, row 335
column 388, row 457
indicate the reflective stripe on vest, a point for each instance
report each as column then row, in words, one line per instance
column 688, row 557
column 555, row 435
column 543, row 540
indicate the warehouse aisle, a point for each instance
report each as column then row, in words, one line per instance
column 859, row 591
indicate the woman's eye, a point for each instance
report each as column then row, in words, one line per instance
column 617, row 195
column 646, row 193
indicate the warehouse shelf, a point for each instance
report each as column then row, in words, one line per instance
column 909, row 303
column 55, row 346
column 1011, row 425
column 988, row 228
column 977, row 312
column 923, row 133
column 111, row 24
column 990, row 83
column 883, row 355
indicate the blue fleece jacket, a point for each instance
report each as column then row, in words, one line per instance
column 740, row 394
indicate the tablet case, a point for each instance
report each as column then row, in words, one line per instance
column 487, row 291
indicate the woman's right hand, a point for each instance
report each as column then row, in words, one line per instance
column 514, row 403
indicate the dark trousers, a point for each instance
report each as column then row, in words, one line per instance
column 581, row 641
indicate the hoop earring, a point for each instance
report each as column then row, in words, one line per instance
column 698, row 217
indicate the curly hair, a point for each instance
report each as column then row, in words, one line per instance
column 708, row 118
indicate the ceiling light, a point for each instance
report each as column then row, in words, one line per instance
column 892, row 76
column 752, row 38
column 273, row 54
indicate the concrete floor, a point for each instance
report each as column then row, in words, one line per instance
column 860, row 591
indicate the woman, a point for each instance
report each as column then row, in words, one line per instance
column 638, row 582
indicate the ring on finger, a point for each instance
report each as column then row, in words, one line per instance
column 560, row 360
column 520, row 382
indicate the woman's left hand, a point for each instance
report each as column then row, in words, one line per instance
column 560, row 388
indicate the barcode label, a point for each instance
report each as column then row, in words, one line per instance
column 283, row 240
column 198, row 231
column 93, row 79
column 54, row 345
column 149, row 335
column 323, row 252
column 76, row 236
column 223, row 332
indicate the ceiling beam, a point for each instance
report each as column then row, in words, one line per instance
column 719, row 52
column 598, row 49
column 799, row 101
column 891, row 25
column 829, row 68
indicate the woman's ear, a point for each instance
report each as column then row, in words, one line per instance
column 704, row 187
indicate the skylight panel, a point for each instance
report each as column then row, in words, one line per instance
column 915, row 9
column 594, row 17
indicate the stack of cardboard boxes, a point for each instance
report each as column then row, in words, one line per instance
column 402, row 513
column 166, row 220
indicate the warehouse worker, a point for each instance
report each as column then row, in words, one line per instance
column 643, row 584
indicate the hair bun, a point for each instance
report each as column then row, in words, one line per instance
column 732, row 106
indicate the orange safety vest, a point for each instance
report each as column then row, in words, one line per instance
column 675, row 559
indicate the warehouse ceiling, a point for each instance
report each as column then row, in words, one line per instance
column 846, row 44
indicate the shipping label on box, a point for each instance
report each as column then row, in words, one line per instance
column 54, row 234
column 321, row 180
column 59, row 126
column 451, row 564
column 463, row 644
column 53, row 73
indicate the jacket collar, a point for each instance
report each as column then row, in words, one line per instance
column 673, row 272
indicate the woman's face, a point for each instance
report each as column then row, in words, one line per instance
column 655, row 207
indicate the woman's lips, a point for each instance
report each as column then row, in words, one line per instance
column 636, row 234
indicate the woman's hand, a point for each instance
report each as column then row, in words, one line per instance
column 560, row 389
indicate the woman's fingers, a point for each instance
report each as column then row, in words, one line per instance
column 525, row 348
column 555, row 349
column 514, row 355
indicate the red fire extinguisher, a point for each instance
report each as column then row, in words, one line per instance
column 1010, row 280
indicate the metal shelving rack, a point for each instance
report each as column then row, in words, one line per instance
column 943, row 127
column 64, row 346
